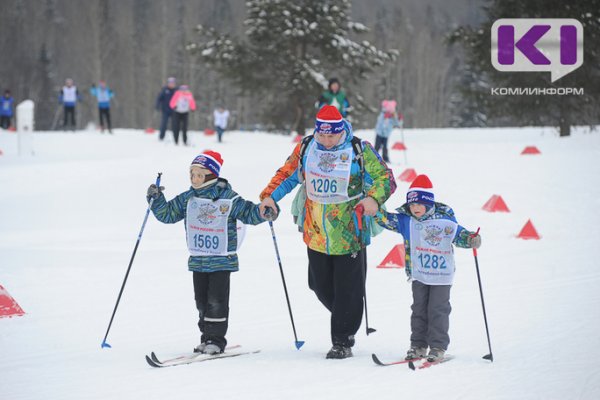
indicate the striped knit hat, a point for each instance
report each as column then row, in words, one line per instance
column 421, row 191
column 329, row 121
column 210, row 160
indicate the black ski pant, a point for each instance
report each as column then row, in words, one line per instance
column 5, row 122
column 69, row 113
column 381, row 143
column 430, row 319
column 104, row 118
column 338, row 282
column 180, row 121
column 211, row 290
column 164, row 121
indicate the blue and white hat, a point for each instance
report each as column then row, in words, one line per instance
column 421, row 191
column 329, row 121
column 210, row 160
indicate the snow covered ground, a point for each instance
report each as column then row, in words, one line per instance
column 70, row 215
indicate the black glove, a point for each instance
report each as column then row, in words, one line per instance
column 474, row 241
column 271, row 214
column 154, row 192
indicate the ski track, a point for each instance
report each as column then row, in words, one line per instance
column 69, row 218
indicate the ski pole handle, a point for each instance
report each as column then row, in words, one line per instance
column 473, row 235
column 359, row 210
column 158, row 179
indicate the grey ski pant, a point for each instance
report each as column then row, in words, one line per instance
column 430, row 317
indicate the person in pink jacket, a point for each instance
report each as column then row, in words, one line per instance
column 182, row 103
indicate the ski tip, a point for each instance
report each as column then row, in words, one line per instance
column 376, row 359
column 151, row 363
column 105, row 345
column 299, row 343
column 411, row 365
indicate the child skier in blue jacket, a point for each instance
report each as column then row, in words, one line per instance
column 429, row 230
column 210, row 210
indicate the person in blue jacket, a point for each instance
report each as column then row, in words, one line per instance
column 430, row 230
column 6, row 109
column 163, row 102
column 210, row 210
column 68, row 97
column 103, row 95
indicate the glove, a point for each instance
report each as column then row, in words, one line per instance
column 271, row 214
column 474, row 241
column 154, row 192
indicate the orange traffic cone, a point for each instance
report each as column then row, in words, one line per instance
column 531, row 150
column 8, row 305
column 395, row 258
column 399, row 146
column 408, row 175
column 528, row 232
column 496, row 204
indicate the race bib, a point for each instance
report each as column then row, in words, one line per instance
column 327, row 175
column 103, row 96
column 431, row 252
column 207, row 226
column 183, row 105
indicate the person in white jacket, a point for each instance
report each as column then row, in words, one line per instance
column 220, row 117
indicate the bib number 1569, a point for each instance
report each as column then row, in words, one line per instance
column 429, row 261
column 206, row 241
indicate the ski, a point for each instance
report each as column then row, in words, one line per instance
column 429, row 364
column 190, row 355
column 198, row 358
column 377, row 361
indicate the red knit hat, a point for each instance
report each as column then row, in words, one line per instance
column 421, row 191
column 329, row 120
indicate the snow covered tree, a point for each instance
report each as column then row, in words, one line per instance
column 479, row 76
column 288, row 51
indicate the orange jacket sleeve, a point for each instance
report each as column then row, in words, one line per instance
column 291, row 164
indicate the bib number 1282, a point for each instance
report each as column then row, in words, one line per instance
column 429, row 261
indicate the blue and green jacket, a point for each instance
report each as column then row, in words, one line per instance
column 400, row 223
column 170, row 212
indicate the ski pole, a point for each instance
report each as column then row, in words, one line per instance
column 298, row 343
column 359, row 213
column 104, row 344
column 489, row 356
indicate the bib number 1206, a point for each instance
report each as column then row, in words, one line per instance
column 324, row 185
column 206, row 241
column 429, row 261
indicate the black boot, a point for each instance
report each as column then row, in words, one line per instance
column 339, row 352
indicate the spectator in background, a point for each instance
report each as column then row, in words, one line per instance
column 220, row 117
column 163, row 102
column 6, row 109
column 386, row 122
column 69, row 96
column 182, row 103
column 103, row 95
column 334, row 96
